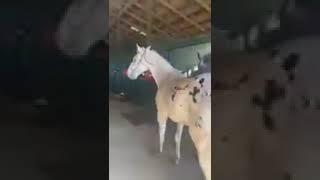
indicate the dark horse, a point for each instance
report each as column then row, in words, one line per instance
column 204, row 63
column 204, row 66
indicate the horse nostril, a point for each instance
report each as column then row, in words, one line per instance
column 125, row 72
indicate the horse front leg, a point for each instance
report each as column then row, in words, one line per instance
column 162, row 121
column 177, row 137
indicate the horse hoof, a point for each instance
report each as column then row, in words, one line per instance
column 154, row 152
column 177, row 161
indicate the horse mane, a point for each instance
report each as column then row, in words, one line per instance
column 158, row 55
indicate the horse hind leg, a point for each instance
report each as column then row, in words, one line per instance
column 203, row 145
column 205, row 163
column 162, row 121
column 177, row 137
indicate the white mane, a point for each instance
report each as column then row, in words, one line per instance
column 160, row 68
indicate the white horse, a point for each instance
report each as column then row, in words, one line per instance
column 186, row 101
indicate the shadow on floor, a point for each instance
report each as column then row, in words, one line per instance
column 142, row 116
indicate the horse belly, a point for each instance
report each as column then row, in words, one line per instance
column 179, row 110
column 203, row 110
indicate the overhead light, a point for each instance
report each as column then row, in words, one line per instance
column 134, row 29
column 143, row 33
column 138, row 31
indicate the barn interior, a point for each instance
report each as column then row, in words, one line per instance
column 267, row 127
column 177, row 30
column 53, row 89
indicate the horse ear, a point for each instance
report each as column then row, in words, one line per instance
column 199, row 57
column 139, row 49
column 287, row 6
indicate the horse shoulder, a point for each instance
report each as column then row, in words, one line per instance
column 162, row 98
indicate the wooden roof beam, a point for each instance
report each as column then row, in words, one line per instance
column 204, row 5
column 129, row 24
column 173, row 9
column 126, row 5
column 146, row 22
column 200, row 22
column 149, row 9
column 163, row 22
column 130, row 34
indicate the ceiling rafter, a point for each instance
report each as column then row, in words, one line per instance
column 149, row 8
column 143, row 21
column 176, row 11
column 128, row 32
column 204, row 5
column 174, row 31
column 160, row 19
column 122, row 10
column 139, row 27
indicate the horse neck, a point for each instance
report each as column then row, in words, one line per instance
column 162, row 71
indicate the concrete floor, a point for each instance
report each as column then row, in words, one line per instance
column 133, row 144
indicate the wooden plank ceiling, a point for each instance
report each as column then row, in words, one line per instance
column 159, row 19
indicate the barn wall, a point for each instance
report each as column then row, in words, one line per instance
column 184, row 58
column 244, row 13
column 222, row 44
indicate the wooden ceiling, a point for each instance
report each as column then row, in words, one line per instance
column 159, row 19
